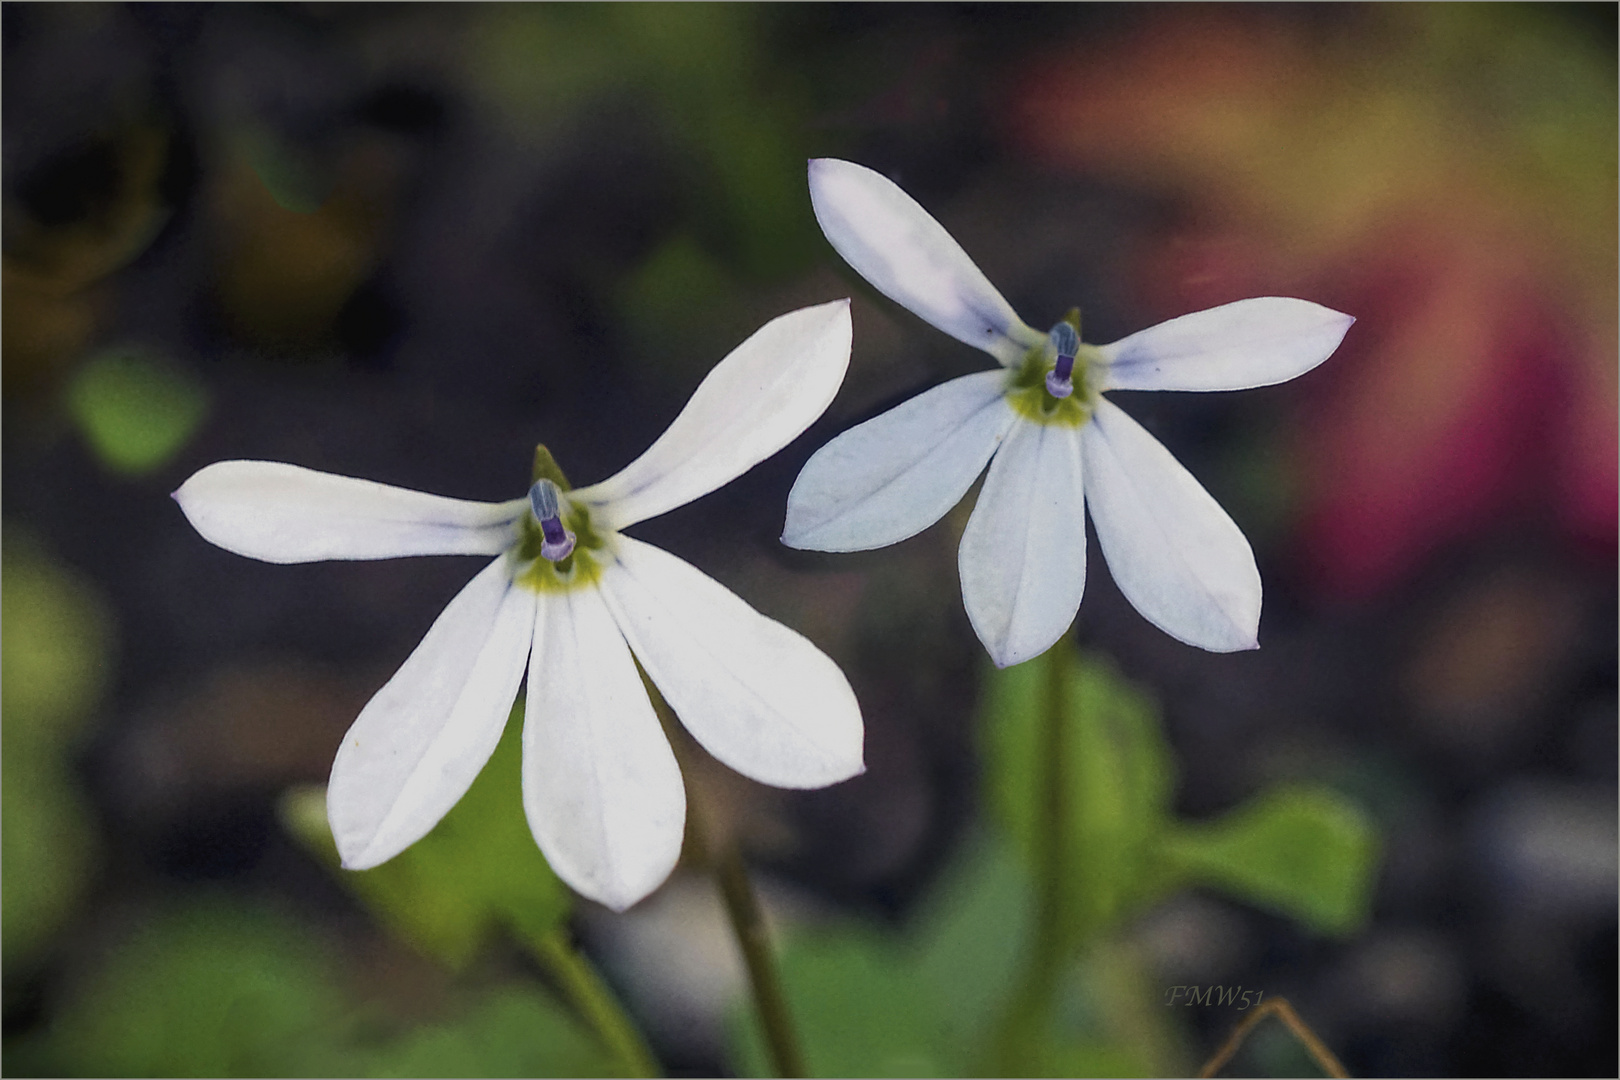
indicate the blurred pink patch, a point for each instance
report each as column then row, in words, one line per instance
column 1479, row 383
column 1443, row 420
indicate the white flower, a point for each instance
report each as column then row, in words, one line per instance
column 579, row 603
column 1053, row 442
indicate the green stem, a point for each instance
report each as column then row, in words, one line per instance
column 590, row 996
column 748, row 923
column 1023, row 1030
column 742, row 907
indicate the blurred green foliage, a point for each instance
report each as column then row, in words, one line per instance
column 477, row 874
column 510, row 1031
column 135, row 410
column 733, row 122
column 213, row 988
column 1306, row 852
column 926, row 1003
column 1120, row 779
column 223, row 987
column 1299, row 851
column 733, row 114
column 670, row 301
column 873, row 1004
column 299, row 178
column 55, row 661
column 56, row 653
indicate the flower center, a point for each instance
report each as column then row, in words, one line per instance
column 1052, row 385
column 557, row 548
column 545, row 502
column 1065, row 340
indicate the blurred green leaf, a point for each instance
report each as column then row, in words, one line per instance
column 48, row 849
column 969, row 936
column 476, row 873
column 55, row 657
column 56, row 652
column 867, row 1003
column 733, row 119
column 758, row 170
column 859, row 1010
column 298, row 178
column 1119, row 775
column 1304, row 852
column 136, row 411
column 542, row 62
column 924, row 1002
column 512, row 1032
column 213, row 989
column 220, row 987
column 1098, row 1058
column 669, row 304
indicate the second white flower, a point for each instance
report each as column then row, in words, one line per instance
column 1054, row 444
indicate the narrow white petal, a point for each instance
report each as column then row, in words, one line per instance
column 1173, row 551
column 895, row 244
column 1023, row 553
column 600, row 784
column 288, row 514
column 420, row 742
column 755, row 694
column 755, row 401
column 893, row 476
column 1258, row 342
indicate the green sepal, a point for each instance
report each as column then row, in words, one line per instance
column 546, row 468
column 1072, row 317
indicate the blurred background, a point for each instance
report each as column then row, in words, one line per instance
column 407, row 242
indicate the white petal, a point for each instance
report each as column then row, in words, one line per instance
column 755, row 401
column 897, row 474
column 288, row 514
column 756, row 695
column 1173, row 551
column 1258, row 342
column 417, row 746
column 1023, row 553
column 600, row 784
column 895, row 244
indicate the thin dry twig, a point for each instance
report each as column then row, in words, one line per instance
column 1285, row 1012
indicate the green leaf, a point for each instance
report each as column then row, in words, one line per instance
column 56, row 652
column 1117, row 775
column 213, row 989
column 1301, row 851
column 55, row 656
column 913, row 1004
column 511, row 1032
column 859, row 1011
column 478, row 872
column 927, row 1001
column 681, row 308
column 219, row 987
column 48, row 849
column 969, row 936
column 136, row 411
